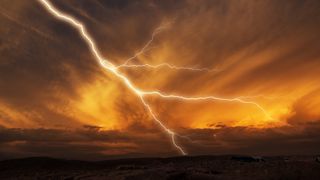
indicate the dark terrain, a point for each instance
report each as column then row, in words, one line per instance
column 200, row 167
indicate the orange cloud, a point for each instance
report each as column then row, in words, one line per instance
column 265, row 52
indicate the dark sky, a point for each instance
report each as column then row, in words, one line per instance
column 55, row 100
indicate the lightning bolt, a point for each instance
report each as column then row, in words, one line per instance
column 167, row 65
column 164, row 65
column 208, row 98
column 145, row 47
column 106, row 64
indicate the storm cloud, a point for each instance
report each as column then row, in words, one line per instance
column 55, row 100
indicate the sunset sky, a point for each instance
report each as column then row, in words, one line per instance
column 57, row 101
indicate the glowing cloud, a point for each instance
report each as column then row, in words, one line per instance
column 141, row 94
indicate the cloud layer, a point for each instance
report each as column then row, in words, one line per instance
column 267, row 52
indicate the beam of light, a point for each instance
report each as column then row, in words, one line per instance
column 82, row 30
column 286, row 97
column 208, row 98
column 167, row 65
column 106, row 64
column 146, row 46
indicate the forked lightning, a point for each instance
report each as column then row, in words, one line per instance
column 106, row 64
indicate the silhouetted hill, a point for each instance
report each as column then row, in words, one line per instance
column 187, row 167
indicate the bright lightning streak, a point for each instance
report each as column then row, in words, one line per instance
column 163, row 65
column 167, row 65
column 144, row 48
column 112, row 68
column 267, row 97
column 202, row 98
column 105, row 63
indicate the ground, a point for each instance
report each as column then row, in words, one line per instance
column 197, row 167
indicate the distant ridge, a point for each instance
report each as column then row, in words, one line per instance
column 181, row 167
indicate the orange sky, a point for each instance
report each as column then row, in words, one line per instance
column 266, row 52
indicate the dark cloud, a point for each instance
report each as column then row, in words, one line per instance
column 293, row 140
column 84, row 143
column 93, row 144
column 33, row 76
